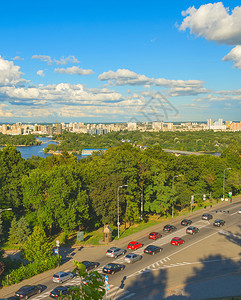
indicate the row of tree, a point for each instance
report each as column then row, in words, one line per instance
column 18, row 140
column 206, row 141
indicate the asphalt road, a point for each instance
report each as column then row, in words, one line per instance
column 207, row 265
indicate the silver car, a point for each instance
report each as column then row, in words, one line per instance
column 62, row 276
column 115, row 252
column 132, row 257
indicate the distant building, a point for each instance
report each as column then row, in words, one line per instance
column 131, row 126
column 87, row 152
column 59, row 129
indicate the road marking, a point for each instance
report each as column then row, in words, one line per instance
column 228, row 233
column 233, row 214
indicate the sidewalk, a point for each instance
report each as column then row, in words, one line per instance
column 94, row 253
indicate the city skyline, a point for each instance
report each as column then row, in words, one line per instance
column 105, row 62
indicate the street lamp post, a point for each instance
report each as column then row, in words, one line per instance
column 172, row 189
column 1, row 210
column 224, row 182
column 118, row 208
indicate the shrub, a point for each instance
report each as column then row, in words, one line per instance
column 34, row 268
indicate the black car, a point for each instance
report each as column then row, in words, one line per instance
column 186, row 222
column 59, row 291
column 192, row 230
column 89, row 265
column 113, row 268
column 169, row 228
column 218, row 223
column 28, row 291
column 207, row 217
column 151, row 249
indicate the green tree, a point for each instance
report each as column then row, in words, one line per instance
column 12, row 231
column 93, row 290
column 37, row 246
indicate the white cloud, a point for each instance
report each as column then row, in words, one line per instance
column 214, row 22
column 18, row 58
column 178, row 83
column 74, row 71
column 44, row 58
column 9, row 73
column 64, row 60
column 41, row 73
column 124, row 77
column 235, row 56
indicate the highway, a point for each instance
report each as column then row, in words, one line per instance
column 209, row 254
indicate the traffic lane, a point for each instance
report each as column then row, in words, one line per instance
column 206, row 260
column 169, row 251
column 161, row 258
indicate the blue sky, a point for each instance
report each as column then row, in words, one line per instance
column 93, row 61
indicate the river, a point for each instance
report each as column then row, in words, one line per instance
column 29, row 151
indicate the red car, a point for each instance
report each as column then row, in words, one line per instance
column 154, row 235
column 177, row 241
column 134, row 245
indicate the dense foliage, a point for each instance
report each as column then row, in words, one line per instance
column 18, row 140
column 28, row 271
column 207, row 141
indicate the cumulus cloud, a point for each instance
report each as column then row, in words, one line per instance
column 64, row 60
column 41, row 73
column 18, row 58
column 44, row 58
column 178, row 83
column 235, row 56
column 124, row 77
column 74, row 71
column 61, row 93
column 9, row 73
column 214, row 22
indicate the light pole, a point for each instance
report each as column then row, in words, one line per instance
column 1, row 210
column 172, row 190
column 224, row 182
column 118, row 208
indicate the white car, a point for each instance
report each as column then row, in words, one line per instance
column 62, row 276
column 239, row 212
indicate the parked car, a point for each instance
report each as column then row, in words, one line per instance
column 192, row 230
column 218, row 223
column 207, row 217
column 152, row 249
column 89, row 265
column 62, row 276
column 186, row 222
column 115, row 252
column 59, row 291
column 239, row 211
column 113, row 268
column 154, row 235
column 177, row 241
column 132, row 257
column 169, row 228
column 134, row 245
column 28, row 291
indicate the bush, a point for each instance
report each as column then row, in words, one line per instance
column 25, row 272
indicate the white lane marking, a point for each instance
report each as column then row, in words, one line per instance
column 233, row 214
column 127, row 297
column 229, row 234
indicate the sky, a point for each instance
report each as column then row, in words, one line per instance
column 120, row 61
